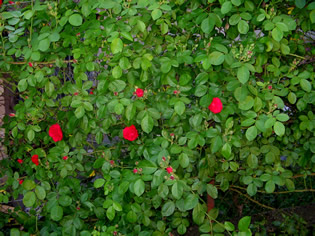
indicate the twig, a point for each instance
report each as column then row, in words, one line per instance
column 249, row 198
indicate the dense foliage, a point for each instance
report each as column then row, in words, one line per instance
column 127, row 109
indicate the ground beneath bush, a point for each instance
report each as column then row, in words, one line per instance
column 306, row 212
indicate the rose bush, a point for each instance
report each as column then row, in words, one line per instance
column 150, row 101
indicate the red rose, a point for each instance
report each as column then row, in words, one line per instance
column 12, row 115
column 20, row 161
column 35, row 159
column 216, row 106
column 11, row 2
column 65, row 158
column 0, row 3
column 55, row 132
column 135, row 171
column 169, row 169
column 139, row 92
column 30, row 64
column 130, row 133
column 21, row 181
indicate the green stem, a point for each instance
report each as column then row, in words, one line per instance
column 291, row 54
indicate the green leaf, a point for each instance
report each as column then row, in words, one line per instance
column 229, row 226
column 40, row 192
column 279, row 128
column 216, row 58
column 126, row 35
column 79, row 112
column 216, row 144
column 117, row 85
column 251, row 189
column 168, row 208
column 117, row 72
column 226, row 150
column 282, row 117
column 198, row 214
column 139, row 187
column 14, row 232
column 22, row 85
column 226, row 7
column 306, row 85
column 246, row 104
column 207, row 25
column 110, row 213
column 277, row 34
column 244, row 223
column 99, row 183
column 292, row 98
column 75, row 20
column 212, row 191
column 148, row 167
column 29, row 184
column 117, row 46
column 29, row 199
column 251, row 133
column 156, row 14
column 243, row 74
column 30, row 135
column 179, row 107
column 270, row 186
column 147, row 124
column 184, row 160
column 177, row 190
column 132, row 217
column 242, row 27
column 237, row 2
column 141, row 26
column 44, row 45
column 191, row 201
column 300, row 3
column 312, row 16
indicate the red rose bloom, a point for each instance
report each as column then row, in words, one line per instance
column 65, row 158
column 216, row 105
column 35, row 159
column 20, row 161
column 169, row 169
column 21, row 181
column 130, row 133
column 55, row 132
column 30, row 64
column 139, row 92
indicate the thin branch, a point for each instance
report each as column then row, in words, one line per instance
column 249, row 198
column 40, row 63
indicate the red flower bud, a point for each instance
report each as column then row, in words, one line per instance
column 21, row 181
column 78, row 34
column 78, row 208
column 20, row 161
column 65, row 158
column 55, row 132
column 12, row 114
column 130, row 133
column 11, row 2
column 115, row 93
column 139, row 92
column 30, row 64
column 163, row 158
column 112, row 162
column 216, row 105
column 176, row 92
column 169, row 169
column 172, row 134
column 75, row 61
column 269, row 87
column 35, row 159
column 135, row 171
column 172, row 177
column 91, row 92
column 76, row 93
